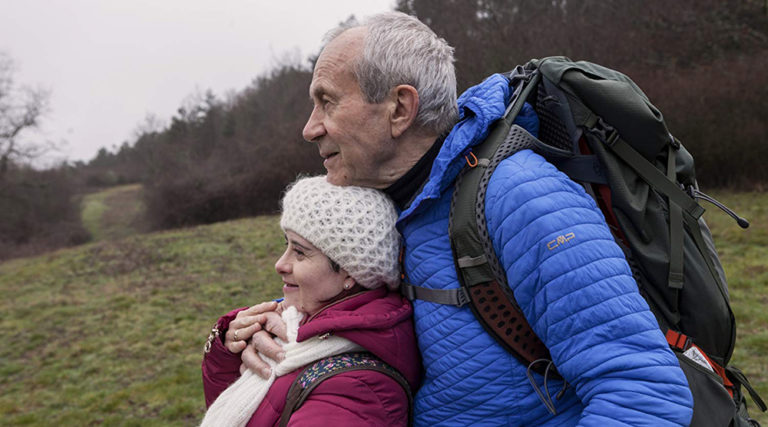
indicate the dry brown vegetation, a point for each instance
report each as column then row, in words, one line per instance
column 702, row 62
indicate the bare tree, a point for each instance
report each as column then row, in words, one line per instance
column 21, row 109
column 152, row 124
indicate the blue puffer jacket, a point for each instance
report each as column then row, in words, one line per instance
column 579, row 297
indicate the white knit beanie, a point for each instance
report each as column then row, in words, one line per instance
column 353, row 226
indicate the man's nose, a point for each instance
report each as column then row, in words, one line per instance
column 314, row 128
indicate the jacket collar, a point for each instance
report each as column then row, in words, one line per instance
column 479, row 107
column 370, row 309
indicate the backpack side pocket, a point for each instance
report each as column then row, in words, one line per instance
column 712, row 405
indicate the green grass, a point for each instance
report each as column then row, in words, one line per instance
column 114, row 213
column 744, row 254
column 112, row 332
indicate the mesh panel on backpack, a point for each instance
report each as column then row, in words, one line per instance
column 552, row 131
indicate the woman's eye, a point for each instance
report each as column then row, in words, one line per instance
column 299, row 253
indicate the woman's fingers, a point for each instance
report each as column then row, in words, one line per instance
column 273, row 323
column 254, row 363
column 260, row 308
column 235, row 338
column 248, row 317
column 263, row 342
column 260, row 324
column 235, row 346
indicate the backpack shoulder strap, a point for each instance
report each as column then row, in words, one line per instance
column 483, row 284
column 477, row 267
column 319, row 371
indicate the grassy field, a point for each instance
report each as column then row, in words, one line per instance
column 112, row 332
column 114, row 213
column 744, row 254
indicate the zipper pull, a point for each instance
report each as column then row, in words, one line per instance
column 743, row 223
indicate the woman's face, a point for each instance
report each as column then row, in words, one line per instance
column 309, row 282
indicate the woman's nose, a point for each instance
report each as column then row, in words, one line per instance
column 282, row 266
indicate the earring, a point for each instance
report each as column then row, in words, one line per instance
column 346, row 286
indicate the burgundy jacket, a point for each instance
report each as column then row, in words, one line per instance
column 378, row 320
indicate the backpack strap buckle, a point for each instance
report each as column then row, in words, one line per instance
column 606, row 132
column 457, row 296
column 678, row 340
column 613, row 136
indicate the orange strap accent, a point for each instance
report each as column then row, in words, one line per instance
column 719, row 370
column 678, row 341
column 683, row 342
column 472, row 163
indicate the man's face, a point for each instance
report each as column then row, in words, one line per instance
column 352, row 136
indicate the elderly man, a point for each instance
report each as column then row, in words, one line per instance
column 385, row 116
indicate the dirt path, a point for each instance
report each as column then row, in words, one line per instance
column 114, row 213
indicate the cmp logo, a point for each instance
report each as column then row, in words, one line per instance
column 559, row 241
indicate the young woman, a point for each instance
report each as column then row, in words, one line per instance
column 340, row 276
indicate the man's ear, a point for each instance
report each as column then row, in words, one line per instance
column 406, row 106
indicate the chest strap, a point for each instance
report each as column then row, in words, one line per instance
column 456, row 296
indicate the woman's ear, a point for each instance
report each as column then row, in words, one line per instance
column 349, row 283
column 406, row 107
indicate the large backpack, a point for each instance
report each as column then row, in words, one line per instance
column 600, row 129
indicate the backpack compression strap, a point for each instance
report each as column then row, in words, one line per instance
column 679, row 201
column 311, row 376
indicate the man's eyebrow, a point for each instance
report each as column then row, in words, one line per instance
column 319, row 90
column 316, row 92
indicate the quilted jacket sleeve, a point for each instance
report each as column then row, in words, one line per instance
column 220, row 366
column 577, row 291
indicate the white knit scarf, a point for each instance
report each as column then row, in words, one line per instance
column 236, row 405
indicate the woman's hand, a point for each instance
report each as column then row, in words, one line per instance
column 263, row 341
column 245, row 324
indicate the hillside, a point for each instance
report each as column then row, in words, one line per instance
column 114, row 213
column 112, row 332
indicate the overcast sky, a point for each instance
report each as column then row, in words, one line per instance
column 109, row 63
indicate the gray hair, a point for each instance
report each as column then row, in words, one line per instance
column 400, row 49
